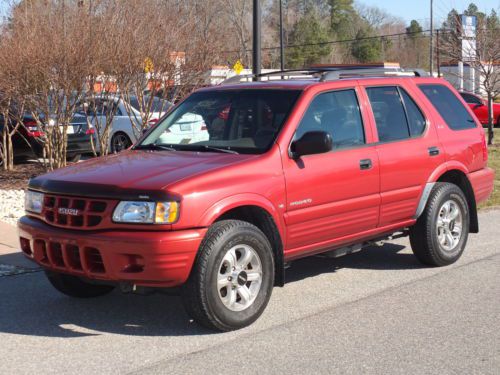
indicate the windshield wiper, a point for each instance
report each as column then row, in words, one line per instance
column 153, row 146
column 217, row 149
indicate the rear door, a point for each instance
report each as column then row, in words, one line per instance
column 333, row 195
column 408, row 150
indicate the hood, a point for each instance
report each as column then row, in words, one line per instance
column 133, row 174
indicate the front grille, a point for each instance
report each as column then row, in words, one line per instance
column 74, row 212
column 68, row 257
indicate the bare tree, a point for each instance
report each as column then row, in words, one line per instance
column 49, row 37
column 485, row 62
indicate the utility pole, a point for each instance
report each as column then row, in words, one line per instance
column 431, row 54
column 282, row 47
column 438, row 54
column 256, row 56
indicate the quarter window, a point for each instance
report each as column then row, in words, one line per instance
column 416, row 120
column 337, row 113
column 449, row 107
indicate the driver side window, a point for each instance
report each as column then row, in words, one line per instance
column 337, row 113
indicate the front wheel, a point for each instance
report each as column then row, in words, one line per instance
column 120, row 142
column 232, row 279
column 75, row 287
column 440, row 234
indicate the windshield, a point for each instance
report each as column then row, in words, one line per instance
column 243, row 121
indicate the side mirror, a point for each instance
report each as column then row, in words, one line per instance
column 478, row 105
column 314, row 142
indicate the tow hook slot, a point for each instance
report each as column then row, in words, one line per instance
column 128, row 287
column 136, row 289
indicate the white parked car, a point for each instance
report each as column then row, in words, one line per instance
column 190, row 128
column 123, row 133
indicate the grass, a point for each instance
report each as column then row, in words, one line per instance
column 494, row 162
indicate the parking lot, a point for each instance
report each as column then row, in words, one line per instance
column 372, row 312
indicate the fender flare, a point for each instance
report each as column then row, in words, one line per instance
column 239, row 200
column 434, row 177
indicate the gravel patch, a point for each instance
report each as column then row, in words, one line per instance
column 11, row 205
column 9, row 270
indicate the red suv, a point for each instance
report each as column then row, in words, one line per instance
column 319, row 162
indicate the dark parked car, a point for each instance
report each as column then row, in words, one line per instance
column 29, row 139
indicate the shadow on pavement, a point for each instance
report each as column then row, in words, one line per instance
column 386, row 257
column 30, row 306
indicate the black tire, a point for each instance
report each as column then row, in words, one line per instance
column 424, row 234
column 120, row 142
column 200, row 294
column 74, row 158
column 75, row 287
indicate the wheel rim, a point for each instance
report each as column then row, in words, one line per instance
column 120, row 142
column 239, row 277
column 449, row 225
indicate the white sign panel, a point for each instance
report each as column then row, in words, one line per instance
column 469, row 26
column 468, row 49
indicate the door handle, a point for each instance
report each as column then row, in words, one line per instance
column 365, row 164
column 433, row 151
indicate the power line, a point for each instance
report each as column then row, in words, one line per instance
column 415, row 33
column 335, row 41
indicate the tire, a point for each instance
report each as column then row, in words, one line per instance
column 429, row 237
column 75, row 287
column 74, row 158
column 119, row 142
column 211, row 296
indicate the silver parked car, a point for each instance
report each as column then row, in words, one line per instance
column 123, row 132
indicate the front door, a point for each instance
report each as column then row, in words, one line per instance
column 333, row 195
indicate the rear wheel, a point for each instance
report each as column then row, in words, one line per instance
column 440, row 234
column 119, row 142
column 75, row 287
column 232, row 280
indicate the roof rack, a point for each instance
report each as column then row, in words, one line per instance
column 324, row 74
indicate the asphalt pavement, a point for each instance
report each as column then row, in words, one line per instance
column 374, row 312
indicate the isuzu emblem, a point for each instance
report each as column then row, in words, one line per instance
column 68, row 211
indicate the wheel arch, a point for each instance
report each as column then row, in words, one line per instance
column 459, row 178
column 260, row 213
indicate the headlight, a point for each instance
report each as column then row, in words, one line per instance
column 33, row 201
column 146, row 212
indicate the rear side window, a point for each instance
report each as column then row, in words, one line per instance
column 337, row 113
column 449, row 107
column 396, row 115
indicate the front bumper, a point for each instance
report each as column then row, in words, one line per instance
column 145, row 258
